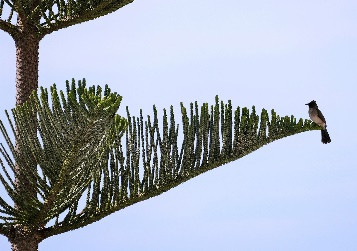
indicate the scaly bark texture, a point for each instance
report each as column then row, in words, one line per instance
column 24, row 240
column 27, row 57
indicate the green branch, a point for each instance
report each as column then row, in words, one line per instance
column 75, row 12
column 45, row 17
column 80, row 153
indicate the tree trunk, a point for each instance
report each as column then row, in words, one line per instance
column 24, row 240
column 27, row 56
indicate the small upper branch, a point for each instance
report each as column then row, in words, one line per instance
column 75, row 14
column 16, row 7
column 4, row 230
column 10, row 3
column 19, row 7
column 48, row 16
column 8, row 27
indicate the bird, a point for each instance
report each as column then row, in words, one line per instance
column 317, row 117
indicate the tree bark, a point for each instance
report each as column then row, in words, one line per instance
column 27, row 56
column 24, row 240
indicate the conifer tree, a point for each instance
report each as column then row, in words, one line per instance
column 74, row 160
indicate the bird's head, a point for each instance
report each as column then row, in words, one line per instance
column 312, row 104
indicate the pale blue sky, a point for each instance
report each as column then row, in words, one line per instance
column 294, row 194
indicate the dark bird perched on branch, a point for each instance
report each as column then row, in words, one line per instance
column 316, row 116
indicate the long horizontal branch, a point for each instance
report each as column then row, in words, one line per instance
column 212, row 136
column 20, row 8
column 83, row 219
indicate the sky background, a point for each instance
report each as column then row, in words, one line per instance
column 293, row 194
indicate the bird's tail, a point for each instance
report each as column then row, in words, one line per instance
column 325, row 137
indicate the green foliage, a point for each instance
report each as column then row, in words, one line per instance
column 46, row 16
column 78, row 153
column 63, row 145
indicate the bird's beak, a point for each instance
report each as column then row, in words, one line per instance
column 306, row 104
